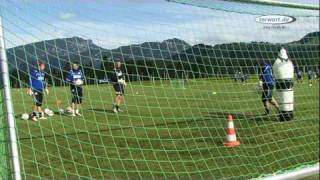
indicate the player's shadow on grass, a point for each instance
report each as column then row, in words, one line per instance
column 243, row 116
column 101, row 110
column 56, row 113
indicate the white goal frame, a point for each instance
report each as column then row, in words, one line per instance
column 12, row 138
column 297, row 174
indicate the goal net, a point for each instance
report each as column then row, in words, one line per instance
column 159, row 89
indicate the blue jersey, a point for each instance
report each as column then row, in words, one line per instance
column 74, row 75
column 37, row 79
column 266, row 75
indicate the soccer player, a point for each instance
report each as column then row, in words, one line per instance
column 299, row 76
column 235, row 77
column 318, row 72
column 310, row 76
column 76, row 78
column 267, row 84
column 239, row 75
column 119, row 83
column 244, row 78
column 36, row 87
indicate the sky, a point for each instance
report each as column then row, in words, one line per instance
column 114, row 23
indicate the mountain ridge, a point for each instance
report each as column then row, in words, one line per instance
column 59, row 52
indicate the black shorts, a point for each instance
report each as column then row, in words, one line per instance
column 299, row 77
column 267, row 92
column 76, row 94
column 119, row 88
column 37, row 96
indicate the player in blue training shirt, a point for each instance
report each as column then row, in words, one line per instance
column 76, row 78
column 267, row 83
column 37, row 84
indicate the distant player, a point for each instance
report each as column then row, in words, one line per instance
column 318, row 72
column 119, row 83
column 235, row 77
column 310, row 76
column 76, row 78
column 36, row 87
column 299, row 76
column 239, row 75
column 267, row 84
column 243, row 78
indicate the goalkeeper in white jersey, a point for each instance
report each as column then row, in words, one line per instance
column 119, row 84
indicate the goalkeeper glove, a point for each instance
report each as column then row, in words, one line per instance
column 47, row 91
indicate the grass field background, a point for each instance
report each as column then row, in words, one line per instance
column 167, row 132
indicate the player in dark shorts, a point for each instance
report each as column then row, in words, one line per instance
column 299, row 76
column 76, row 78
column 310, row 76
column 36, row 87
column 267, row 83
column 118, row 81
column 243, row 78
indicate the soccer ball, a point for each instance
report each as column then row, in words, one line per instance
column 79, row 82
column 48, row 112
column 61, row 111
column 25, row 116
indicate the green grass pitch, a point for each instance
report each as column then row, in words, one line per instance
column 167, row 133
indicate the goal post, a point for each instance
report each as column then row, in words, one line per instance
column 8, row 109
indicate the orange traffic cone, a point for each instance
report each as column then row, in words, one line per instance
column 231, row 134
